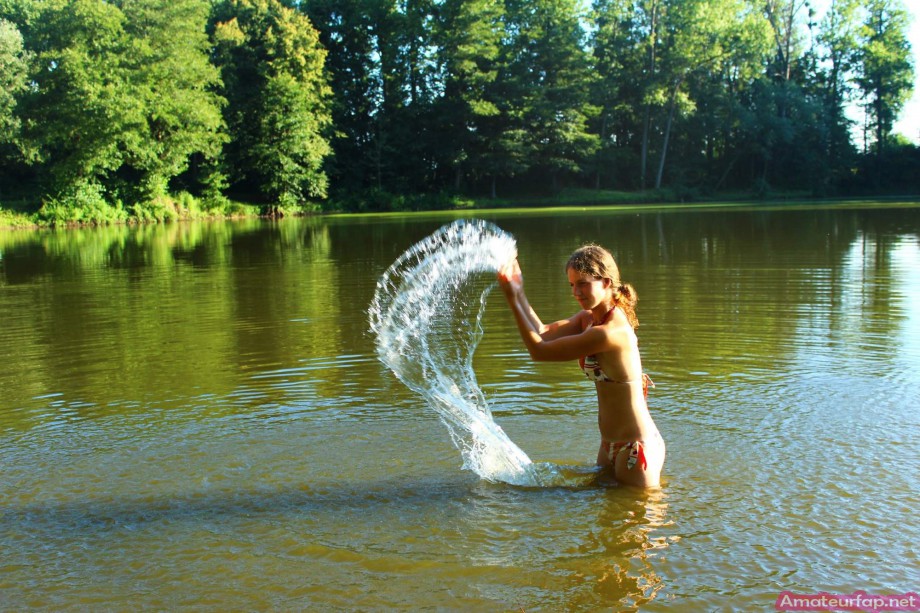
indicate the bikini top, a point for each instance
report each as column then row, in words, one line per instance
column 589, row 364
column 592, row 369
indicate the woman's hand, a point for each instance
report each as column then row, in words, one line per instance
column 510, row 278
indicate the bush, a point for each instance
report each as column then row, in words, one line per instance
column 12, row 219
column 161, row 208
column 81, row 203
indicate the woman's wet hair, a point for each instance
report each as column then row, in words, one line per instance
column 597, row 262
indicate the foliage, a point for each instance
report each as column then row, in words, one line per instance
column 119, row 102
column 12, row 77
column 80, row 203
column 120, row 110
column 172, row 79
column 278, row 99
column 886, row 74
column 12, row 219
column 469, row 36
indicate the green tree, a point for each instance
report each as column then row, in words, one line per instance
column 278, row 99
column 171, row 79
column 650, row 18
column 838, row 36
column 785, row 18
column 79, row 112
column 352, row 63
column 618, row 60
column 469, row 37
column 404, row 32
column 886, row 73
column 291, row 150
column 703, row 36
column 786, row 128
column 544, row 90
column 119, row 100
column 13, row 73
column 384, row 67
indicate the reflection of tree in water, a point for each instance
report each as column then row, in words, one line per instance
column 746, row 283
column 118, row 311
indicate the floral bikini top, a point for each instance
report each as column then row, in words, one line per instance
column 589, row 364
column 592, row 369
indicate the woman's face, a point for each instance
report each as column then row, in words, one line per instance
column 588, row 291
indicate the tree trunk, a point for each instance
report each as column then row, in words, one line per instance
column 664, row 145
column 597, row 171
column 645, row 130
column 672, row 107
column 653, row 34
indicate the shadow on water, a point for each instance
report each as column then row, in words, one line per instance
column 113, row 512
column 551, row 548
column 110, row 512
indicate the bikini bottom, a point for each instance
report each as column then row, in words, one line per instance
column 636, row 452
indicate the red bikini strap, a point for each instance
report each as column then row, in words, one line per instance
column 605, row 317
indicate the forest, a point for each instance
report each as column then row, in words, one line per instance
column 143, row 110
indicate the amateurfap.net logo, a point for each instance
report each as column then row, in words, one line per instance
column 857, row 601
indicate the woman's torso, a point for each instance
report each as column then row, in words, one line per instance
column 622, row 410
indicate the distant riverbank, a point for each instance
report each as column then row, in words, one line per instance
column 181, row 210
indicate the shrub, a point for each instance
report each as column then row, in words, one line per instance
column 81, row 203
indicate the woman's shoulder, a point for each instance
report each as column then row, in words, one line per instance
column 620, row 319
column 583, row 318
column 619, row 330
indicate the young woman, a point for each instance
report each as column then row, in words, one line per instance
column 602, row 338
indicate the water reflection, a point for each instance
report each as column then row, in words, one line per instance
column 193, row 415
column 114, row 314
column 624, row 553
column 605, row 551
column 118, row 314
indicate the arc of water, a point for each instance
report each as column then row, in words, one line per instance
column 427, row 314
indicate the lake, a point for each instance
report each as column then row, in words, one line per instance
column 193, row 416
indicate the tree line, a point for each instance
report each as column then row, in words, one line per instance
column 112, row 109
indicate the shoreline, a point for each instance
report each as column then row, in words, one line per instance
column 16, row 221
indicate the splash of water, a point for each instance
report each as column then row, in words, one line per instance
column 427, row 314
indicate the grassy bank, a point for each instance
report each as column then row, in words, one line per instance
column 97, row 212
column 187, row 208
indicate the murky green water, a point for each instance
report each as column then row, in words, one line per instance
column 193, row 416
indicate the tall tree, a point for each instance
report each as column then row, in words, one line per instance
column 546, row 82
column 785, row 18
column 838, row 38
column 352, row 64
column 79, row 111
column 278, row 98
column 781, row 90
column 651, row 13
column 886, row 73
column 13, row 73
column 120, row 97
column 703, row 35
column 380, row 63
column 469, row 38
column 618, row 59
column 171, row 78
column 407, row 48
